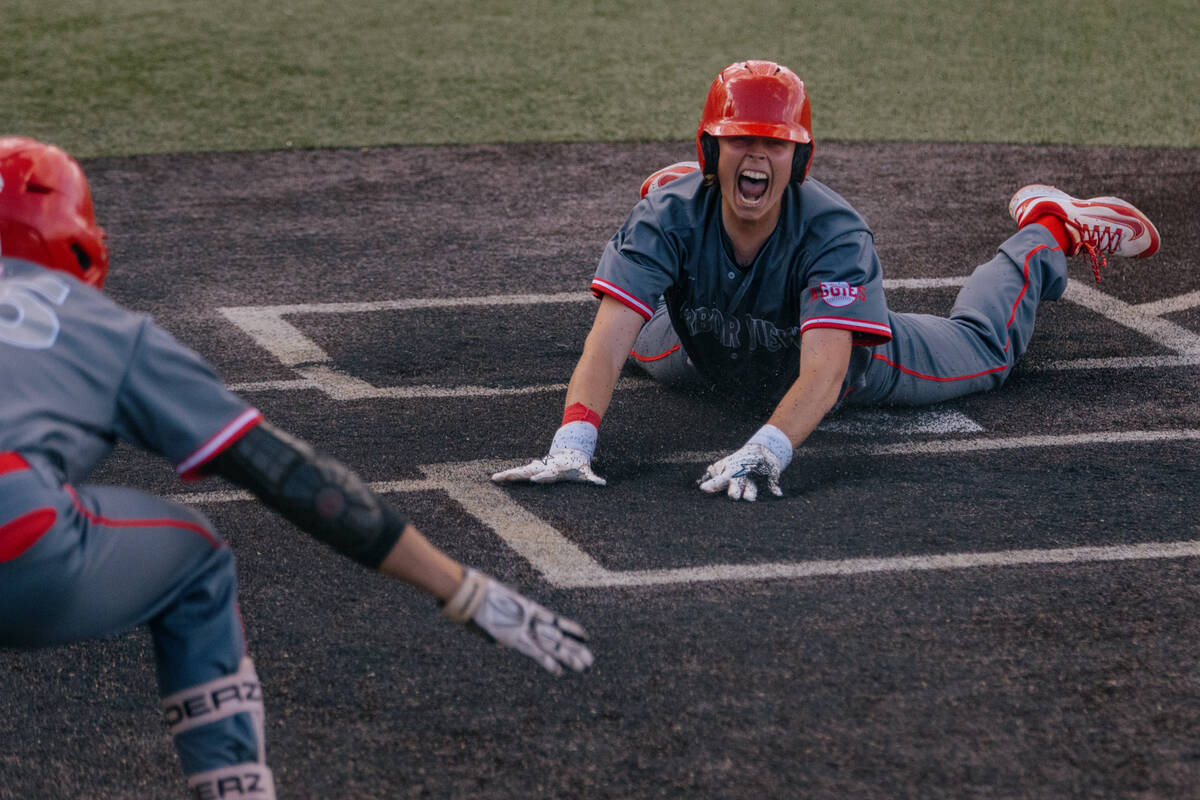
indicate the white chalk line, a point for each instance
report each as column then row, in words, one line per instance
column 564, row 564
column 1169, row 305
column 287, row 343
column 898, row 564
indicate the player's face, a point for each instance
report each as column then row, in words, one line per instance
column 753, row 171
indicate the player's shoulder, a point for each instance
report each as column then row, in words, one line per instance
column 819, row 198
column 72, row 303
column 825, row 213
column 38, row 279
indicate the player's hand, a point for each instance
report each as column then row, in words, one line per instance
column 569, row 459
column 563, row 465
column 508, row 618
column 736, row 474
column 762, row 459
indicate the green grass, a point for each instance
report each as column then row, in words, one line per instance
column 143, row 76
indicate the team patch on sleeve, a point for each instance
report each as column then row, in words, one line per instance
column 839, row 293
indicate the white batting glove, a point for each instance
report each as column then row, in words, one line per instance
column 763, row 458
column 506, row 617
column 569, row 459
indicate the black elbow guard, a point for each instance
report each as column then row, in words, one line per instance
column 320, row 495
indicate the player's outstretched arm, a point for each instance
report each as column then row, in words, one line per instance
column 824, row 359
column 324, row 498
column 590, row 391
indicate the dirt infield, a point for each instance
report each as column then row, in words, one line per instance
column 803, row 647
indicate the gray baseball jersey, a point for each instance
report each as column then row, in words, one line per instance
column 82, row 373
column 742, row 328
column 79, row 561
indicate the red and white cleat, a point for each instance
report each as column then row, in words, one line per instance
column 667, row 174
column 1103, row 225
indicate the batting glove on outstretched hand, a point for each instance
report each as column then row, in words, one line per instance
column 763, row 458
column 564, row 465
column 569, row 459
column 506, row 617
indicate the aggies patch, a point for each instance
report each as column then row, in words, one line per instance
column 838, row 293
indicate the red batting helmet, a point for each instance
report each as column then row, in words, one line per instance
column 756, row 98
column 46, row 213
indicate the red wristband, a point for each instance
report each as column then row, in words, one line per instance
column 577, row 412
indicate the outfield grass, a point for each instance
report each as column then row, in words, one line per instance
column 142, row 76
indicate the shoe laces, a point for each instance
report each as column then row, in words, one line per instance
column 1097, row 240
column 1104, row 238
column 1095, row 257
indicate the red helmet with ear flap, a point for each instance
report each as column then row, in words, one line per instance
column 756, row 98
column 46, row 213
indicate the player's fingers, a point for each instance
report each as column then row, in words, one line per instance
column 562, row 639
column 715, row 479
column 577, row 658
column 588, row 476
column 735, row 488
column 548, row 475
column 571, row 628
column 776, row 489
column 550, row 663
column 743, row 489
column 539, row 653
column 522, row 473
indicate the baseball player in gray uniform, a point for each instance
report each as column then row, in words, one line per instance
column 79, row 560
column 739, row 272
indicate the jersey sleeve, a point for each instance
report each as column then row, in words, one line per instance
column 173, row 403
column 844, row 289
column 639, row 263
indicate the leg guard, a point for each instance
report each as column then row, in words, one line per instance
column 207, row 723
column 241, row 780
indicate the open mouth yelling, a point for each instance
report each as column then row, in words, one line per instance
column 752, row 186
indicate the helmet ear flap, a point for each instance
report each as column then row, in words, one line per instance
column 81, row 255
column 709, row 150
column 800, row 162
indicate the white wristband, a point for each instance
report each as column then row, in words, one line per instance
column 577, row 435
column 467, row 597
column 776, row 441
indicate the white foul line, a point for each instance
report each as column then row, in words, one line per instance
column 1170, row 305
column 1146, row 319
column 973, row 445
column 267, row 326
column 863, row 566
column 564, row 564
column 1173, row 337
